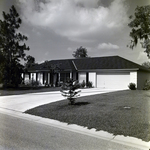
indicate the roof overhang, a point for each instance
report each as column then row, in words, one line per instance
column 109, row 70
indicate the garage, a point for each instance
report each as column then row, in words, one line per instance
column 113, row 80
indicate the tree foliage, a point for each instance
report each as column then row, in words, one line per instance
column 140, row 24
column 146, row 64
column 12, row 48
column 30, row 61
column 70, row 90
column 81, row 52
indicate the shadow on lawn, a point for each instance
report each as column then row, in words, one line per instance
column 81, row 103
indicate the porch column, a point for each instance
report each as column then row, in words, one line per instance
column 41, row 78
column 70, row 75
column 48, row 78
column 23, row 76
column 58, row 77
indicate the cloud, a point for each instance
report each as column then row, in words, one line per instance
column 107, row 46
column 70, row 49
column 76, row 19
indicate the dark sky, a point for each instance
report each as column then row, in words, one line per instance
column 56, row 28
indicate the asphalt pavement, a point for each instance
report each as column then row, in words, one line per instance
column 15, row 105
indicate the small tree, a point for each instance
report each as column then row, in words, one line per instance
column 69, row 90
column 81, row 52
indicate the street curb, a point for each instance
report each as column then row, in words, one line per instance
column 120, row 139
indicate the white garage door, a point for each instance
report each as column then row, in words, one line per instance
column 113, row 80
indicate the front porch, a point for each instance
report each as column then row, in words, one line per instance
column 49, row 79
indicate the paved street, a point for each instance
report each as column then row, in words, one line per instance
column 23, row 131
column 21, row 134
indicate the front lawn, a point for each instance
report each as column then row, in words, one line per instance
column 121, row 113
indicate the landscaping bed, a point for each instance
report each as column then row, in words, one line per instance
column 121, row 113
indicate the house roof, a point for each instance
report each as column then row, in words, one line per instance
column 91, row 63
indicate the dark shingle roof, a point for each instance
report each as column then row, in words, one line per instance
column 109, row 62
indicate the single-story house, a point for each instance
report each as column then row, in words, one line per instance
column 104, row 72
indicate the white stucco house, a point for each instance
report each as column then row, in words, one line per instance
column 112, row 72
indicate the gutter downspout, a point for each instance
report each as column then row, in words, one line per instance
column 74, row 65
column 75, row 69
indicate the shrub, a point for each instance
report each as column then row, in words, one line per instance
column 69, row 90
column 89, row 84
column 147, row 85
column 83, row 84
column 132, row 86
column 32, row 83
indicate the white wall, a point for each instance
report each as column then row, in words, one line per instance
column 133, row 77
column 82, row 76
column 92, row 78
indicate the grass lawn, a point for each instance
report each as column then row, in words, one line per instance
column 25, row 90
column 121, row 113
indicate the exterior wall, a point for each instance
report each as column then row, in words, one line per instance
column 92, row 78
column 133, row 77
column 74, row 76
column 82, row 76
column 141, row 79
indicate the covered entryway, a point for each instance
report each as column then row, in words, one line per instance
column 113, row 80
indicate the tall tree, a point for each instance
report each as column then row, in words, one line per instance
column 12, row 48
column 81, row 52
column 140, row 24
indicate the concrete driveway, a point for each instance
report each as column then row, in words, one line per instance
column 24, row 102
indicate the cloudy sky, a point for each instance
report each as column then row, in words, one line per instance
column 56, row 28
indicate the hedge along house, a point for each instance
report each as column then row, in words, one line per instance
column 112, row 72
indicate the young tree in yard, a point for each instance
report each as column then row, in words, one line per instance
column 69, row 90
column 81, row 52
column 140, row 25
column 12, row 48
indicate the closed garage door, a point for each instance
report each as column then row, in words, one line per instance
column 113, row 80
